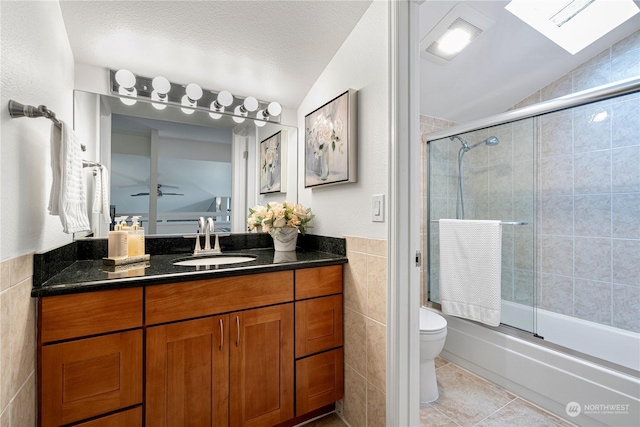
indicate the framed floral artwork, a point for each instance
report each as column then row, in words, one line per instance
column 271, row 164
column 330, row 142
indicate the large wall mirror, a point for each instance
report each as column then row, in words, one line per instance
column 170, row 168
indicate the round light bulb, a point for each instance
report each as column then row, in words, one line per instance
column 128, row 95
column 250, row 103
column 187, row 103
column 194, row 91
column 159, row 103
column 161, row 85
column 125, row 78
column 274, row 109
column 225, row 98
column 238, row 119
column 215, row 116
column 259, row 123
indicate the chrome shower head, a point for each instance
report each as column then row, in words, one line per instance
column 491, row 141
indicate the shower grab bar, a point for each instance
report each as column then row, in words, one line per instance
column 501, row 222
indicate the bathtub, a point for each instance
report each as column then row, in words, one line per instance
column 550, row 378
column 604, row 342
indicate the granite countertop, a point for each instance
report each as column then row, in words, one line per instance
column 88, row 275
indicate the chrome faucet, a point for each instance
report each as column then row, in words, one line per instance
column 208, row 227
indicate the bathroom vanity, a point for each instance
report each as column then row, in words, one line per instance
column 258, row 345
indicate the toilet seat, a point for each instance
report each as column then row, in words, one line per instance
column 431, row 322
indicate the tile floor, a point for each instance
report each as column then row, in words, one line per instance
column 467, row 400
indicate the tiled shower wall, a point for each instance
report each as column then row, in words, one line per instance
column 17, row 343
column 365, row 332
column 587, row 201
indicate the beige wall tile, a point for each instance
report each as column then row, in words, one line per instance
column 21, row 268
column 5, row 275
column 4, row 418
column 377, row 288
column 377, row 247
column 355, row 341
column 355, row 398
column 23, row 334
column 5, row 349
column 357, row 244
column 376, row 407
column 355, row 282
column 23, row 407
column 376, row 354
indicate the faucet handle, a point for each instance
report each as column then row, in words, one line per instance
column 201, row 223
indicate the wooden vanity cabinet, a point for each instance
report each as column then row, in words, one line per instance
column 319, row 338
column 255, row 350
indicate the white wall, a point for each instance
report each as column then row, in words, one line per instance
column 37, row 68
column 361, row 63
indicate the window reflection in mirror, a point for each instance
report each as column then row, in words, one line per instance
column 170, row 168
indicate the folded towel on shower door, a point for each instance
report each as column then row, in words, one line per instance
column 470, row 269
column 101, row 193
column 67, row 198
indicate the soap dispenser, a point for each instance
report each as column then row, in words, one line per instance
column 136, row 238
column 118, row 246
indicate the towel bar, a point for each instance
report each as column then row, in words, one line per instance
column 17, row 110
column 501, row 222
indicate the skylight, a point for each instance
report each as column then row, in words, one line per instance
column 573, row 24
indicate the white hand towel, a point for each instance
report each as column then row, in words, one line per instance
column 67, row 197
column 101, row 194
column 470, row 269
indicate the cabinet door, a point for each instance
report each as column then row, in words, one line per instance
column 318, row 325
column 84, row 378
column 319, row 380
column 188, row 373
column 261, row 366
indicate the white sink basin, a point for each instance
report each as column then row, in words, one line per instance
column 214, row 260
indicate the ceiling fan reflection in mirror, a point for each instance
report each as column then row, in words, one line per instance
column 160, row 192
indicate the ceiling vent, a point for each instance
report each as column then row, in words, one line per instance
column 462, row 25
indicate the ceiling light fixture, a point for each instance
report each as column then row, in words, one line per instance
column 160, row 92
column 161, row 88
column 573, row 24
column 127, row 82
column 459, row 27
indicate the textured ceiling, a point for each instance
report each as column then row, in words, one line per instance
column 274, row 50
column 504, row 65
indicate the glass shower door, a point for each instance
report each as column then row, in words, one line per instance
column 488, row 174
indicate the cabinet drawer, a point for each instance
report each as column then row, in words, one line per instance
column 179, row 301
column 318, row 325
column 72, row 316
column 128, row 418
column 319, row 281
column 84, row 378
column 319, row 381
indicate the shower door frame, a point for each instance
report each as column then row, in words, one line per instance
column 589, row 96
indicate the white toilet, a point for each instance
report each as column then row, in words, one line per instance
column 433, row 332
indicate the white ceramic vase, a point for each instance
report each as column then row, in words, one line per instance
column 286, row 240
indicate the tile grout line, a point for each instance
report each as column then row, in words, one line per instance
column 496, row 411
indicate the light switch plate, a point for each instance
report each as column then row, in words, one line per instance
column 377, row 208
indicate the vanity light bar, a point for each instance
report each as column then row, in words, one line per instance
column 144, row 90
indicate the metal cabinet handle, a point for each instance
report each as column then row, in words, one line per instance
column 238, row 327
column 221, row 335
